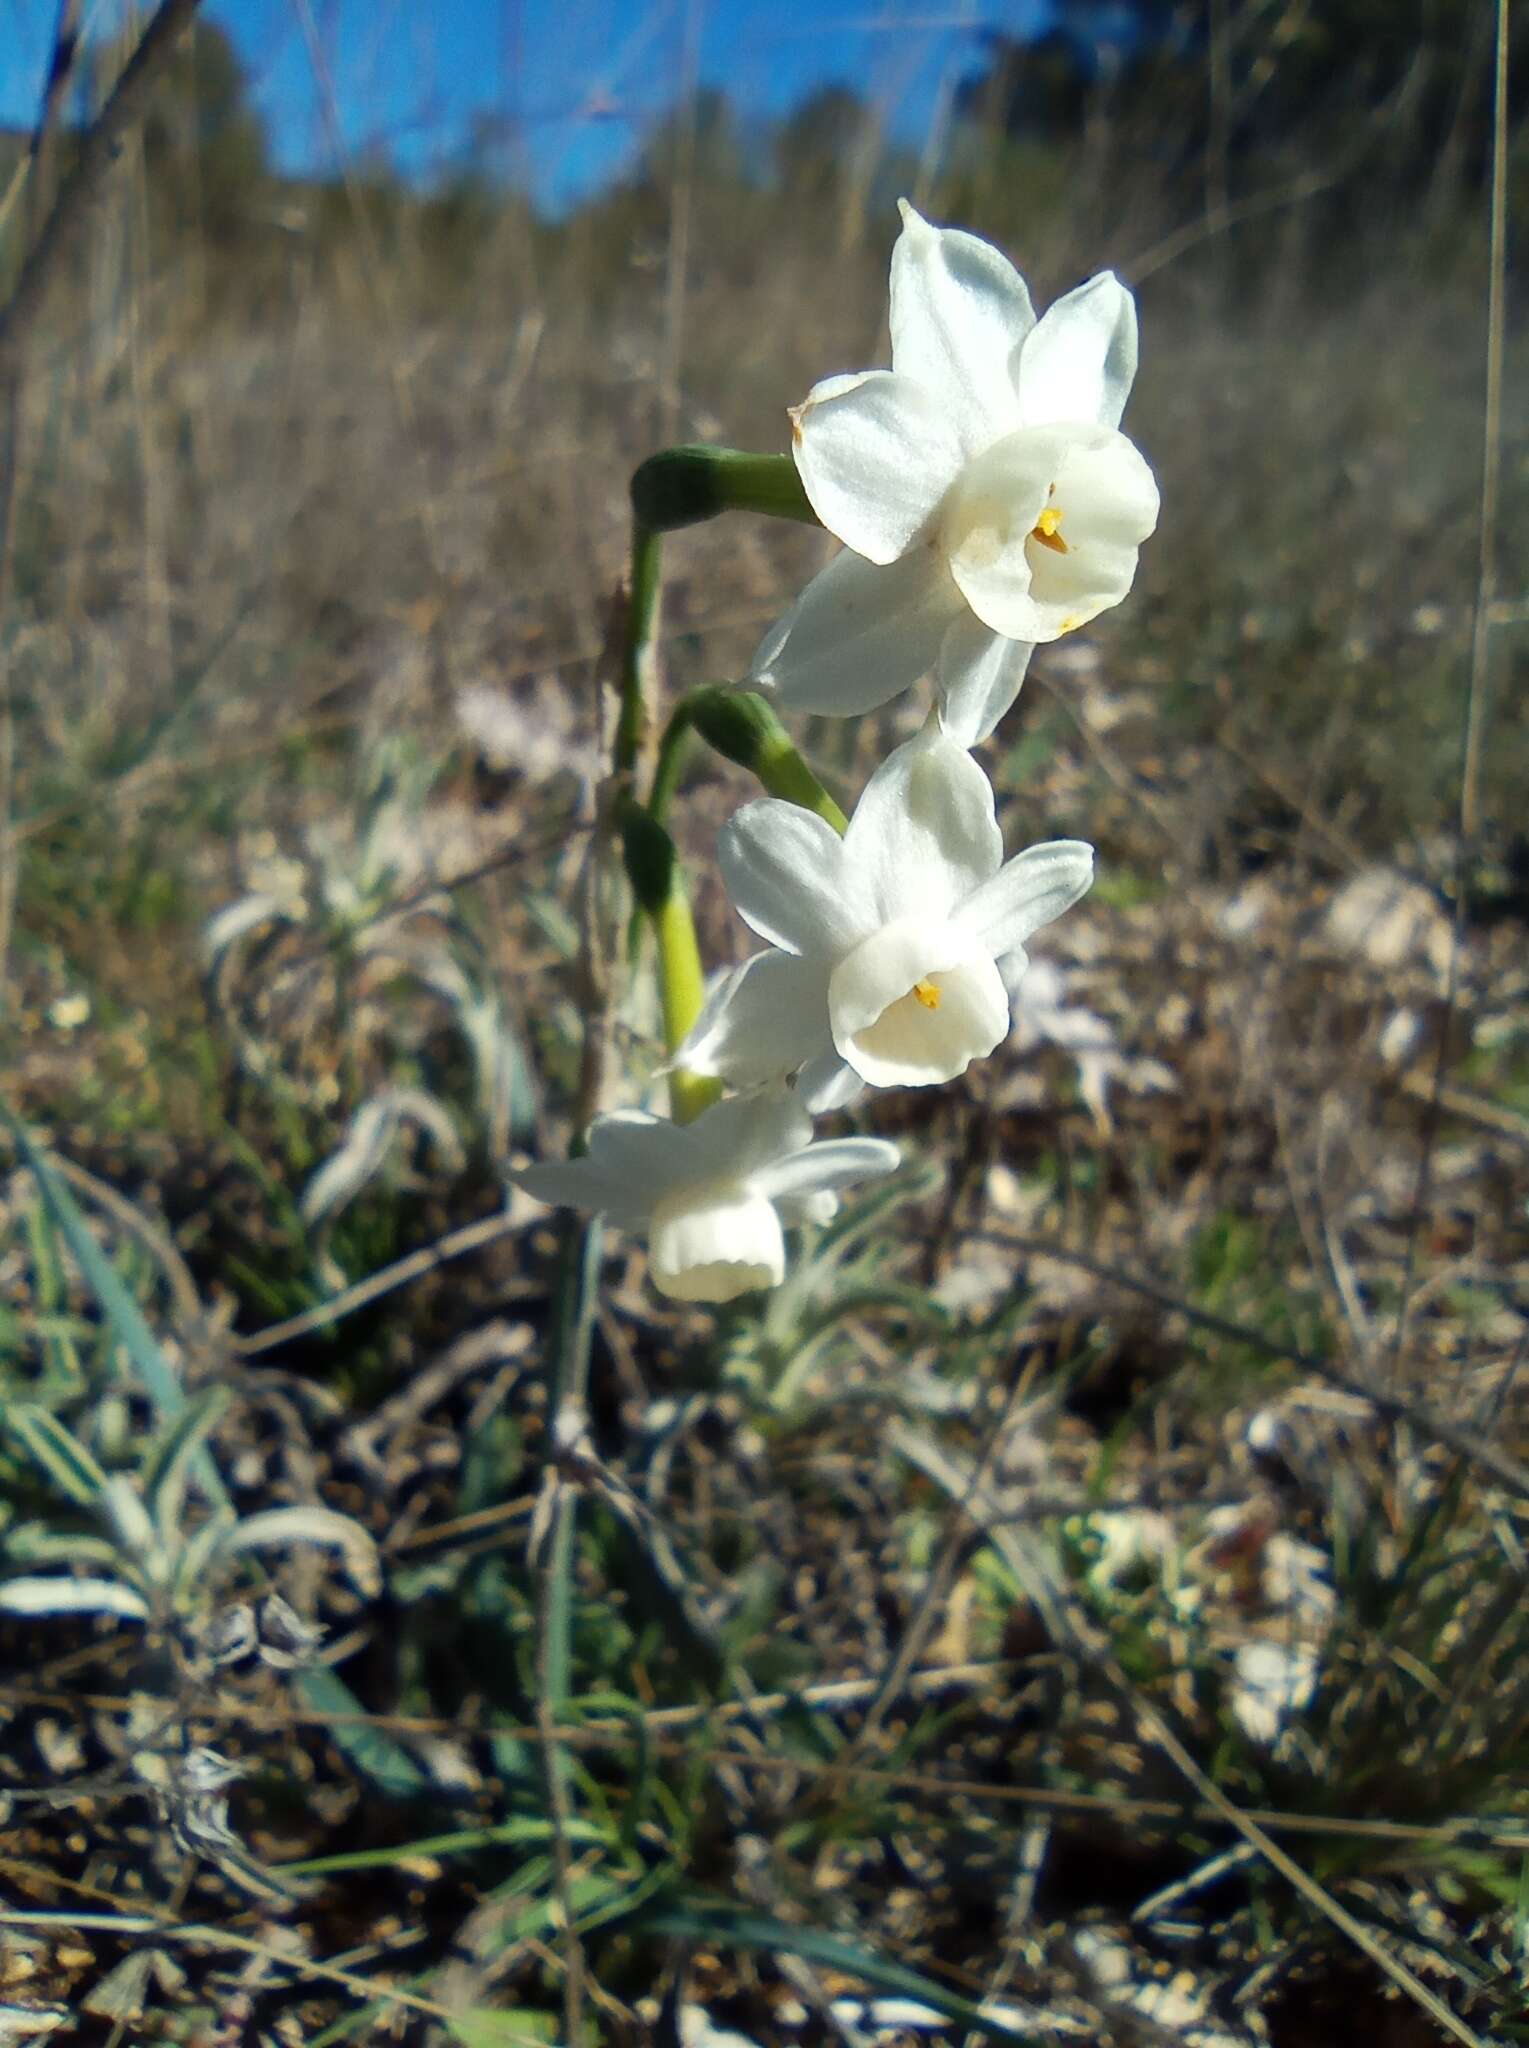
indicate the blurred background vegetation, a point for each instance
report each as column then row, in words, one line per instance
column 314, row 506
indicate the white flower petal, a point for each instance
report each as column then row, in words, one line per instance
column 979, row 677
column 765, row 1019
column 789, row 880
column 625, row 1140
column 924, row 834
column 733, row 1137
column 1027, row 892
column 714, row 1249
column 832, row 1163
column 827, row 1084
column 632, row 1161
column 579, row 1184
column 859, row 634
column 705, row 1190
column 876, row 454
column 1079, row 361
column 959, row 313
column 916, row 1004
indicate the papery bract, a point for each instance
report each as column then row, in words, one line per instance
column 711, row 1195
column 885, row 943
column 985, row 497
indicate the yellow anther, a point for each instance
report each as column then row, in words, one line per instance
column 927, row 994
column 1047, row 530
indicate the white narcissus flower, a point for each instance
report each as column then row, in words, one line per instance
column 983, row 492
column 885, row 942
column 711, row 1195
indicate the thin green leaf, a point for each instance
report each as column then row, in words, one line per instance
column 35, row 1543
column 168, row 1464
column 72, row 1596
column 525, row 2027
column 195, row 1559
column 117, row 1305
column 518, row 2029
column 128, row 1520
column 594, row 1897
column 462, row 1843
column 577, row 1291
column 62, row 1457
column 373, row 1753
column 48, row 1287
column 725, row 1927
column 275, row 1528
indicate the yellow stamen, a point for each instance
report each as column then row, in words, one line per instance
column 1047, row 531
column 927, row 994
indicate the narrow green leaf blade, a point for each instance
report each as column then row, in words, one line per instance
column 522, row 2028
column 374, row 1753
column 62, row 1457
column 726, row 1927
column 117, row 1305
column 169, row 1462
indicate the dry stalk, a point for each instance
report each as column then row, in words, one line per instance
column 34, row 170
column 1476, row 695
column 1507, row 1471
column 82, row 189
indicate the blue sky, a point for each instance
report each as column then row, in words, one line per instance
column 580, row 80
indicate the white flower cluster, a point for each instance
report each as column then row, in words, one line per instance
column 986, row 501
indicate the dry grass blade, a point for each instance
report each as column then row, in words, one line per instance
column 671, row 1727
column 1491, row 441
column 456, row 1244
column 1506, row 1470
column 1473, row 737
column 33, row 168
column 1076, row 1632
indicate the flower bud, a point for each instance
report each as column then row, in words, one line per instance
column 743, row 726
column 682, row 486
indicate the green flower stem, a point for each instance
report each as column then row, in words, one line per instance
column 742, row 726
column 637, row 660
column 657, row 877
column 683, row 486
column 671, row 759
column 682, row 987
